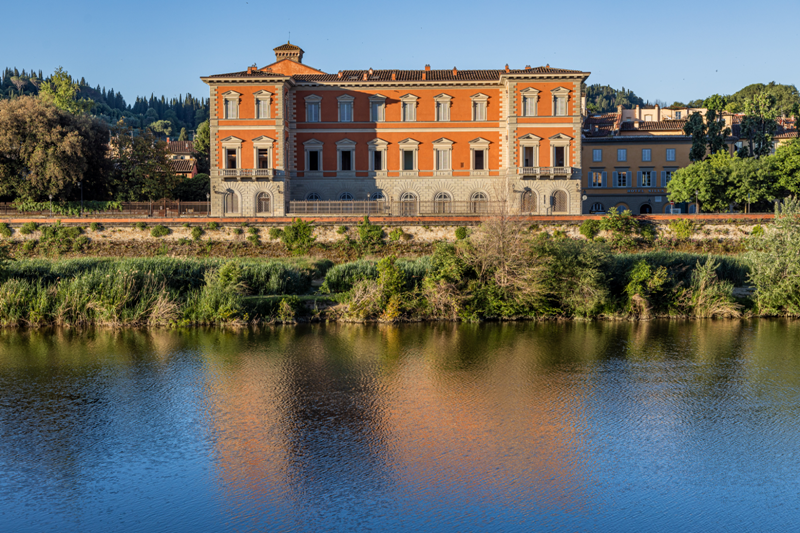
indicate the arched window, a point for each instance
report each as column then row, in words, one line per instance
column 645, row 209
column 263, row 203
column 597, row 207
column 560, row 203
column 312, row 197
column 346, row 197
column 693, row 208
column 378, row 197
column 231, row 203
column 528, row 202
column 479, row 203
column 408, row 204
column 442, row 203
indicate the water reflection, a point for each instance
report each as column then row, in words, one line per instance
column 584, row 426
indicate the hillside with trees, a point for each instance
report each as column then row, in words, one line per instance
column 605, row 99
column 165, row 117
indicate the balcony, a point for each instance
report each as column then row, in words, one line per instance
column 537, row 172
column 240, row 173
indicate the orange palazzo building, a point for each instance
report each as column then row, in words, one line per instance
column 288, row 139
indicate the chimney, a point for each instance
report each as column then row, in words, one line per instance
column 167, row 139
column 547, row 66
column 507, row 71
column 428, row 68
column 424, row 75
column 250, row 70
column 339, row 75
column 394, row 76
column 366, row 76
column 658, row 112
column 455, row 71
column 527, row 67
column 370, row 71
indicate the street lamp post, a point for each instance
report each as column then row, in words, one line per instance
column 80, row 184
column 51, row 205
column 696, row 204
column 208, row 199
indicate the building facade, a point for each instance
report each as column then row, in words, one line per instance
column 421, row 141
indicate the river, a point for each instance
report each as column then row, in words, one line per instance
column 652, row 426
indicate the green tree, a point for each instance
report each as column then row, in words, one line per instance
column 787, row 168
column 759, row 125
column 62, row 92
column 141, row 167
column 46, row 151
column 182, row 136
column 202, row 147
column 162, row 126
column 752, row 180
column 19, row 82
column 708, row 133
column 193, row 189
column 710, row 177
column 786, row 96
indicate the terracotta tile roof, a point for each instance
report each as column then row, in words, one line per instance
column 661, row 125
column 430, row 75
column 180, row 147
column 786, row 133
column 246, row 74
column 601, row 125
column 181, row 166
column 287, row 46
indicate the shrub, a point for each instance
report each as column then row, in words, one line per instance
column 244, row 224
column 298, row 236
column 186, row 225
column 275, row 233
column 28, row 228
column 253, row 231
column 758, row 231
column 619, row 224
column 237, row 231
column 648, row 232
column 590, row 228
column 183, row 242
column 212, row 226
column 28, row 246
column 5, row 230
column 140, row 226
column 341, row 278
column 644, row 283
column 159, row 231
column 197, row 232
column 461, row 233
column 370, row 236
column 683, row 228
column 96, row 226
column 79, row 243
column 396, row 234
column 341, row 230
column 253, row 239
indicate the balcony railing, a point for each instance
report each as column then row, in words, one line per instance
column 548, row 171
column 244, row 173
column 404, row 208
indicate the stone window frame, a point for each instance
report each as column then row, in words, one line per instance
column 445, row 145
column 479, row 145
column 229, row 97
column 408, row 102
column 529, row 141
column 314, row 99
column 228, row 143
column 442, row 102
column 346, row 145
column 259, row 97
column 313, row 145
column 412, row 145
column 530, row 94
column 381, row 101
column 553, row 202
column 378, row 197
column 557, row 141
column 480, row 106
column 649, row 153
column 231, row 193
column 558, row 94
column 377, row 145
column 263, row 143
column 345, row 99
column 271, row 203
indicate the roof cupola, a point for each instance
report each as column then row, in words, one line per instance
column 288, row 51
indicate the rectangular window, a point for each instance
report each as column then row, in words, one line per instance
column 314, row 160
column 263, row 158
column 377, row 160
column 408, row 111
column 231, row 108
column 479, row 160
column 559, row 156
column 646, row 154
column 648, row 118
column 678, row 115
column 622, row 154
column 408, row 160
column 667, row 178
column 597, row 155
column 442, row 111
column 230, row 158
column 670, row 154
column 561, row 106
column 596, row 178
column 528, row 156
column 647, row 178
column 478, row 111
column 345, row 111
column 376, row 111
column 442, row 159
column 622, row 179
column 346, row 157
column 528, row 106
column 262, row 110
column 312, row 112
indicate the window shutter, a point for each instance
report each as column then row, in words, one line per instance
column 639, row 179
column 615, row 177
column 663, row 178
column 604, row 179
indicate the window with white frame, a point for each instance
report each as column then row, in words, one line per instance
column 647, row 178
column 313, row 108
column 408, row 108
column 442, row 150
column 262, row 148
column 559, row 146
column 377, row 108
column 621, row 178
column 529, row 150
column 530, row 97
column 232, row 152
column 263, row 101
column 377, row 154
column 479, row 104
column 646, row 154
column 442, row 107
column 597, row 155
column 346, row 151
column 670, row 154
column 408, row 154
column 313, row 149
column 677, row 115
column 479, row 150
column 560, row 100
column 230, row 104
column 622, row 154
column 345, row 108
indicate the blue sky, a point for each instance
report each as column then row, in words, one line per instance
column 669, row 51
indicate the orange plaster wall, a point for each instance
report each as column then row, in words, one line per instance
column 545, row 103
column 247, row 101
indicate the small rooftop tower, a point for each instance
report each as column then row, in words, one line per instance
column 288, row 51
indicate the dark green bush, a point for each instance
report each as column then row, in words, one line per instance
column 160, row 231
column 197, row 232
column 461, row 233
column 96, row 226
column 212, row 226
column 590, row 228
column 28, row 228
column 140, row 226
column 298, row 236
column 5, row 230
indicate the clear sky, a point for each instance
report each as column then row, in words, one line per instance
column 670, row 51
